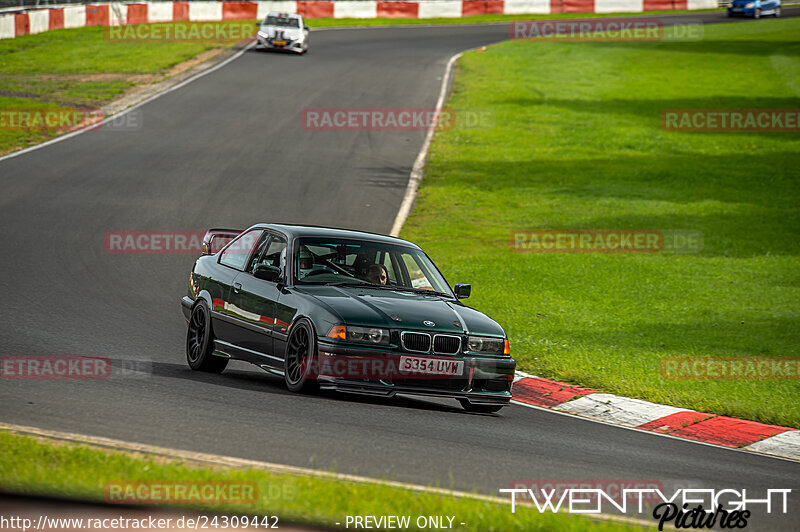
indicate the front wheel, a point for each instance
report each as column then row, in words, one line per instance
column 300, row 357
column 777, row 12
column 757, row 14
column 479, row 409
column 200, row 342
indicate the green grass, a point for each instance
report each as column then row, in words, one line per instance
column 574, row 141
column 89, row 51
column 64, row 69
column 57, row 67
column 34, row 466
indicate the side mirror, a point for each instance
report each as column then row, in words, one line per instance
column 266, row 272
column 462, row 291
column 258, row 24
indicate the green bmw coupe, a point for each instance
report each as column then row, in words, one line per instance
column 342, row 310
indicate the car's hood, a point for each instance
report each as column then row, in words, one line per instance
column 380, row 308
column 289, row 33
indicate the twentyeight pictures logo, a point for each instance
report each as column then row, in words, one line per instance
column 681, row 508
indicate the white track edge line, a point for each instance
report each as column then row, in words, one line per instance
column 416, row 171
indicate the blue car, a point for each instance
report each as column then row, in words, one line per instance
column 754, row 8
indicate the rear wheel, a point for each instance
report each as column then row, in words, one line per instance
column 777, row 12
column 299, row 359
column 479, row 409
column 200, row 342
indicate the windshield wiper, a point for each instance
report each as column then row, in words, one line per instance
column 422, row 291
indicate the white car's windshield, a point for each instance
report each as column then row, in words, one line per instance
column 333, row 261
column 285, row 22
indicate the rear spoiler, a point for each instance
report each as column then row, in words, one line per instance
column 216, row 239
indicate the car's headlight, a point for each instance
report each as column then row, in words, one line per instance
column 730, row 5
column 262, row 35
column 372, row 335
column 750, row 5
column 489, row 346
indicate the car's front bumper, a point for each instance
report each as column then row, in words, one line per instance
column 483, row 380
column 741, row 12
column 186, row 307
column 290, row 46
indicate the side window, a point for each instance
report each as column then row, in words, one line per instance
column 239, row 251
column 272, row 255
column 262, row 245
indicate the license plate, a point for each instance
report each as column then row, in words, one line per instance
column 737, row 9
column 431, row 366
column 279, row 43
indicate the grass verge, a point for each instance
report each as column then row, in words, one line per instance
column 39, row 467
column 84, row 68
column 574, row 141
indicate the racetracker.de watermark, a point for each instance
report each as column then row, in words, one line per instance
column 153, row 242
column 186, row 31
column 730, row 368
column 605, row 29
column 54, row 120
column 731, row 120
column 24, row 367
column 408, row 367
column 393, row 119
column 606, row 241
column 184, row 492
column 54, row 367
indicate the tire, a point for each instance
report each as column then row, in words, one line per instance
column 479, row 409
column 777, row 13
column 301, row 353
column 200, row 342
column 757, row 14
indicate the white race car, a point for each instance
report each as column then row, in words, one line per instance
column 283, row 31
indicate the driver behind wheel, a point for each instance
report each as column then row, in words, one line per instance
column 376, row 274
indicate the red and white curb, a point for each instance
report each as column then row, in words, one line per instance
column 15, row 22
column 679, row 422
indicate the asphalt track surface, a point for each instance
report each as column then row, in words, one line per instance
column 228, row 150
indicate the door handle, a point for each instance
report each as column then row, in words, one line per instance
column 237, row 287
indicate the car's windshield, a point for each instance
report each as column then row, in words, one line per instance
column 375, row 264
column 286, row 22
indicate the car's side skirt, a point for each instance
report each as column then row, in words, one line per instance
column 248, row 355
